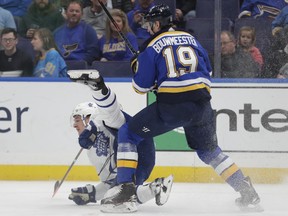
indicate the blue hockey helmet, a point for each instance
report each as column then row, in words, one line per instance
column 159, row 13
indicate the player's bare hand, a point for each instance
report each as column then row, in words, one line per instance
column 137, row 17
column 30, row 33
column 178, row 14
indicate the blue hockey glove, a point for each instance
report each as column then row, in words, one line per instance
column 83, row 195
column 134, row 64
column 88, row 136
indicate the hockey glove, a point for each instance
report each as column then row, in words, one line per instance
column 88, row 136
column 83, row 195
column 134, row 64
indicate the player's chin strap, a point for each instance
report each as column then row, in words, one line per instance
column 84, row 120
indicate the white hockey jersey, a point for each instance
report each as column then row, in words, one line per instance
column 108, row 117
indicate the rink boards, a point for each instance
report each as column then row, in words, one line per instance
column 38, row 143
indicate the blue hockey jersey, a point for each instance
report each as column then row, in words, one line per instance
column 262, row 8
column 176, row 66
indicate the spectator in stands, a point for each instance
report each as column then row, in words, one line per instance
column 278, row 51
column 280, row 21
column 235, row 62
column 261, row 8
column 13, row 58
column 48, row 61
column 112, row 46
column 277, row 55
column 135, row 18
column 6, row 19
column 76, row 39
column 246, row 41
column 96, row 17
column 185, row 9
column 18, row 8
column 41, row 14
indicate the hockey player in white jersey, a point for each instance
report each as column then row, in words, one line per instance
column 97, row 123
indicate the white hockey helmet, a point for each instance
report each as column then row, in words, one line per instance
column 84, row 109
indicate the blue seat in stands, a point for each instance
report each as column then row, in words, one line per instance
column 206, row 8
column 76, row 64
column 113, row 68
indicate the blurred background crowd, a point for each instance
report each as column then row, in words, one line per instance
column 45, row 38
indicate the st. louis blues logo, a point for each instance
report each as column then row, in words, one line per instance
column 102, row 144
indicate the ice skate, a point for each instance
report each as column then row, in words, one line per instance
column 249, row 200
column 92, row 78
column 83, row 195
column 120, row 199
column 162, row 188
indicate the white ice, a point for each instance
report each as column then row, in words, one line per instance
column 23, row 198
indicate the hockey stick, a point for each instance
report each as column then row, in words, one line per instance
column 129, row 45
column 57, row 183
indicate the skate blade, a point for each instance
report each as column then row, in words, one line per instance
column 252, row 208
column 127, row 207
column 83, row 74
column 165, row 192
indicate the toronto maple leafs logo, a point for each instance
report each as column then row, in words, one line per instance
column 102, row 144
column 90, row 104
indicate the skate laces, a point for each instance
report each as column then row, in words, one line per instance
column 157, row 185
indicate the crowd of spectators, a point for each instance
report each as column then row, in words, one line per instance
column 271, row 61
column 236, row 61
column 80, row 30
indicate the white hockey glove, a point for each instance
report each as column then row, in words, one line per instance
column 88, row 136
column 83, row 195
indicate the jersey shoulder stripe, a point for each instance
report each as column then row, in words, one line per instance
column 169, row 34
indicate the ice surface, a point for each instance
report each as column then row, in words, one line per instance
column 23, row 198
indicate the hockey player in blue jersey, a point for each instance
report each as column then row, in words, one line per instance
column 96, row 123
column 177, row 68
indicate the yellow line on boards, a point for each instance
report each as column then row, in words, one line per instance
column 181, row 174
